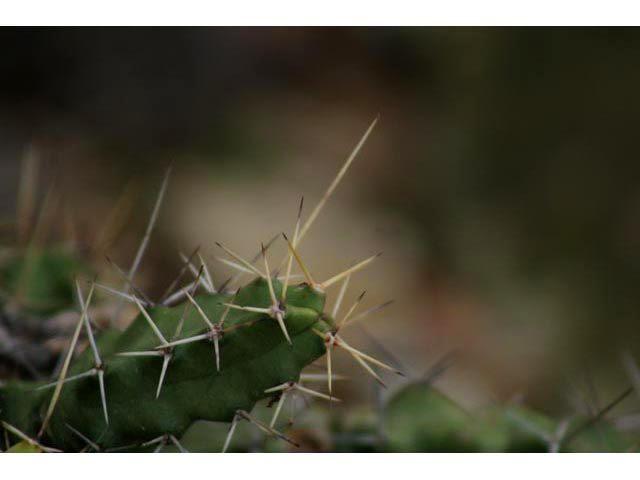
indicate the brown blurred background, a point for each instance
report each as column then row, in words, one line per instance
column 501, row 181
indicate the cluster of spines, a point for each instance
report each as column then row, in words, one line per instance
column 215, row 331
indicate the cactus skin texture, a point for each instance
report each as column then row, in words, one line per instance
column 253, row 358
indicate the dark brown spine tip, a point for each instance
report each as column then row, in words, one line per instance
column 362, row 295
column 285, row 236
column 300, row 207
column 379, row 254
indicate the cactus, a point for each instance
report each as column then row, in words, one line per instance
column 254, row 358
column 420, row 418
column 200, row 353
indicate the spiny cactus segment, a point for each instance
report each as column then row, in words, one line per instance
column 199, row 353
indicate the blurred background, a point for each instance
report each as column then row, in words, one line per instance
column 501, row 181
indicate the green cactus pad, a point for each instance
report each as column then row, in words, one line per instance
column 253, row 358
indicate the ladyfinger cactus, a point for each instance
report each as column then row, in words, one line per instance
column 200, row 353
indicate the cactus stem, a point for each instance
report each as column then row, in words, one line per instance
column 244, row 262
